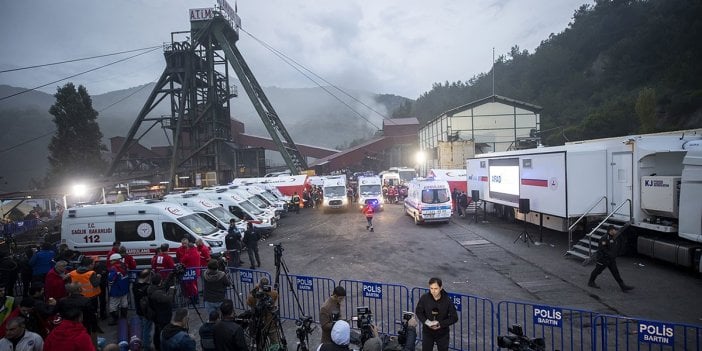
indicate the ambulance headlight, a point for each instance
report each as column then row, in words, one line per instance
column 214, row 243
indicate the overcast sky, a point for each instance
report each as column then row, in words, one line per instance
column 385, row 46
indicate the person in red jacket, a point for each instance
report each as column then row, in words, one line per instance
column 191, row 261
column 162, row 263
column 204, row 251
column 180, row 252
column 368, row 212
column 55, row 282
column 70, row 334
column 127, row 259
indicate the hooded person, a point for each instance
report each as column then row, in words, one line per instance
column 70, row 334
column 340, row 337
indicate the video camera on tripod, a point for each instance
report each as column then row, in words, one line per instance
column 364, row 322
column 519, row 341
column 402, row 333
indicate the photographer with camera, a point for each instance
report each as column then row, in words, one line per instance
column 263, row 299
column 330, row 312
column 405, row 340
column 437, row 313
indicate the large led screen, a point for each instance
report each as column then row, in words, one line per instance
column 504, row 179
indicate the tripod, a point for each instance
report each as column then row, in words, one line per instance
column 524, row 235
column 304, row 323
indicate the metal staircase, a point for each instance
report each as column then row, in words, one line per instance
column 587, row 246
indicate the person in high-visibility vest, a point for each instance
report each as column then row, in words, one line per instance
column 88, row 279
column 295, row 200
column 368, row 212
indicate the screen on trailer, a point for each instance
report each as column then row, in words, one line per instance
column 504, row 179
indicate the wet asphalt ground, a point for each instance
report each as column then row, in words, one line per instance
column 479, row 259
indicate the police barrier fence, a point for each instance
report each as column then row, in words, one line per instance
column 474, row 329
column 561, row 328
column 310, row 291
column 242, row 282
column 386, row 302
column 623, row 333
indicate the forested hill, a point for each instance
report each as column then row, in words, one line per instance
column 620, row 67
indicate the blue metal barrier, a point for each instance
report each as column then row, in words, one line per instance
column 386, row 302
column 624, row 333
column 311, row 292
column 561, row 328
column 14, row 228
column 475, row 327
column 243, row 281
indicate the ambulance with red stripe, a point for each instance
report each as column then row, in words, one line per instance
column 428, row 200
column 141, row 226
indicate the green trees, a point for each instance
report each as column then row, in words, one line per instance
column 74, row 151
column 621, row 66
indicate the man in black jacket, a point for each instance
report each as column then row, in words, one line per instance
column 251, row 241
column 436, row 312
column 606, row 257
column 228, row 335
column 233, row 244
column 140, row 289
column 161, row 294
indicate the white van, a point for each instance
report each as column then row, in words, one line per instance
column 428, row 200
column 239, row 207
column 255, row 200
column 279, row 204
column 141, row 226
column 370, row 191
column 334, row 193
column 200, row 204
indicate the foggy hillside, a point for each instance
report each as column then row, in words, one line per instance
column 310, row 115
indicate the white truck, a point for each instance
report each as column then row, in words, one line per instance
column 334, row 193
column 651, row 184
column 370, row 191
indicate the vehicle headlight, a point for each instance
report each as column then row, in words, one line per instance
column 214, row 243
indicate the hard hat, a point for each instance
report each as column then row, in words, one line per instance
column 115, row 257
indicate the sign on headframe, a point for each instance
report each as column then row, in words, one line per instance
column 201, row 14
column 230, row 14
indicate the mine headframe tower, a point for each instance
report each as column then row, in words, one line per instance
column 196, row 83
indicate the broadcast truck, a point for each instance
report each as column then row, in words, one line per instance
column 649, row 186
column 370, row 191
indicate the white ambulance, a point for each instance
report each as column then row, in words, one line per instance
column 271, row 199
column 215, row 212
column 334, row 193
column 239, row 207
column 370, row 191
column 428, row 200
column 141, row 226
